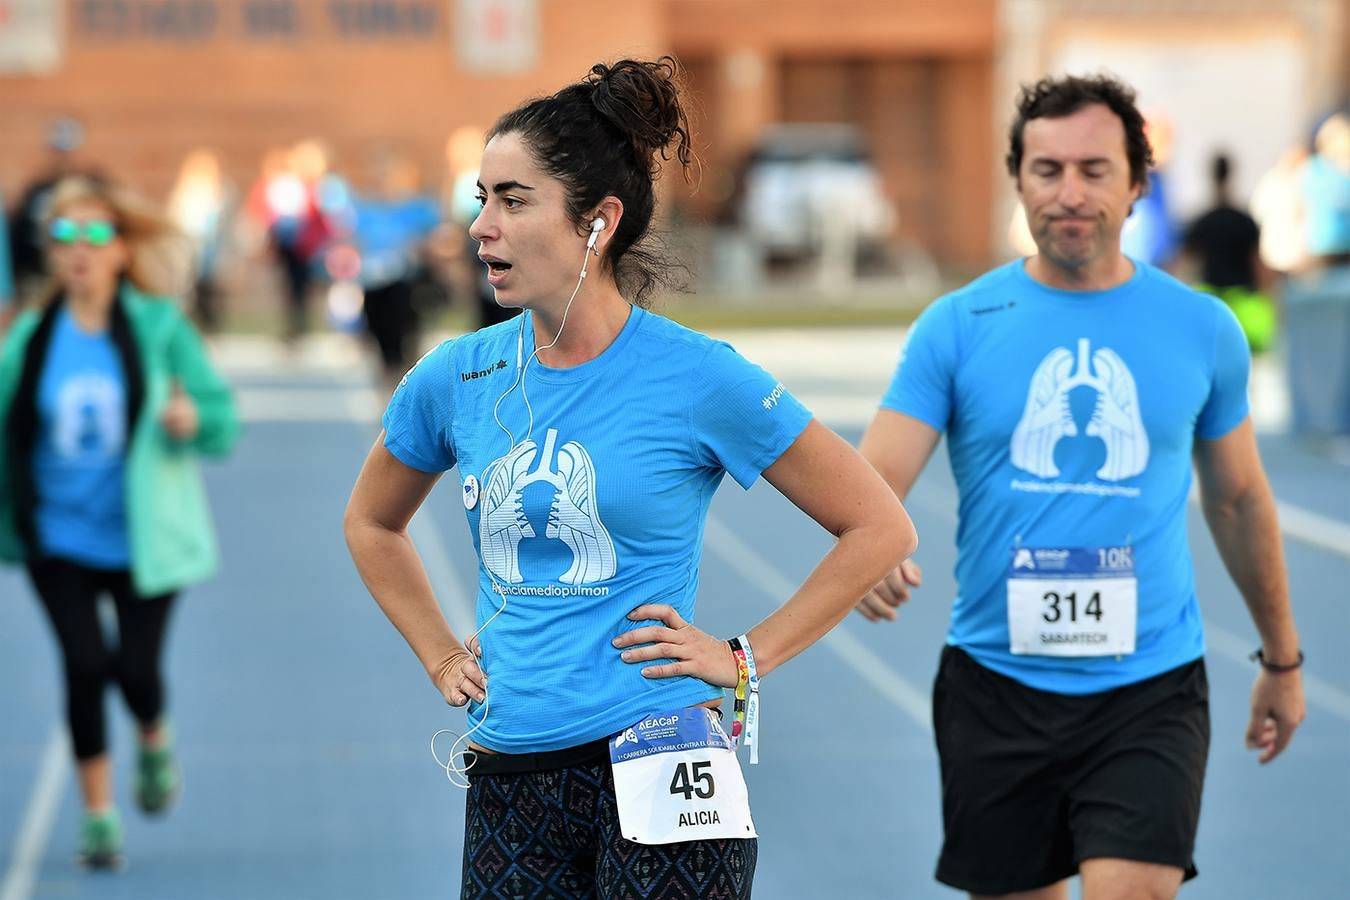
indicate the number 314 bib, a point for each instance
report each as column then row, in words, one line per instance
column 1072, row 601
column 676, row 778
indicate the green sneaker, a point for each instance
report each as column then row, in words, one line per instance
column 101, row 841
column 157, row 778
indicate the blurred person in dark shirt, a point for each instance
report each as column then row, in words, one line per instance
column 1225, row 243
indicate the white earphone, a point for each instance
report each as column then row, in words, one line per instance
column 597, row 225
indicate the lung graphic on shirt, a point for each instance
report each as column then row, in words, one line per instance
column 90, row 419
column 1116, row 420
column 573, row 518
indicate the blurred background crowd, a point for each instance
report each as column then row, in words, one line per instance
column 320, row 155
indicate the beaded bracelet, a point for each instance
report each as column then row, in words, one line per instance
column 747, row 696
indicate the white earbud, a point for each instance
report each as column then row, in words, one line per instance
column 597, row 225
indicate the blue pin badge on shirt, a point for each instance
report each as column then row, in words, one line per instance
column 470, row 492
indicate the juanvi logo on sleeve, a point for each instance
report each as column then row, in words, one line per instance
column 1047, row 419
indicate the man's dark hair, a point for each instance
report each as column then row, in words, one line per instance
column 1054, row 98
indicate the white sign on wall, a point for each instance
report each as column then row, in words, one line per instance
column 31, row 36
column 1248, row 96
column 497, row 36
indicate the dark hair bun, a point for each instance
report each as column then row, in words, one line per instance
column 641, row 99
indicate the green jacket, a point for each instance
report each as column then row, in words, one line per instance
column 169, row 523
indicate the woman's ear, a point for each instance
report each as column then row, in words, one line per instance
column 611, row 210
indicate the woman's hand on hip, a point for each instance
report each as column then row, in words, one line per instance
column 460, row 679
column 694, row 652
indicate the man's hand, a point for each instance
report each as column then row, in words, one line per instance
column 882, row 601
column 1277, row 709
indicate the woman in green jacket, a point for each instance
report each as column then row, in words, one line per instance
column 107, row 399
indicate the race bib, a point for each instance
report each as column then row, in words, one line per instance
column 676, row 778
column 1072, row 602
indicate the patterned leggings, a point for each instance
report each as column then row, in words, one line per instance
column 555, row 834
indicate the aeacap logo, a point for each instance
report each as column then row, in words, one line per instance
column 627, row 736
column 1047, row 419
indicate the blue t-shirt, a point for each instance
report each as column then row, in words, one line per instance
column 79, row 458
column 1070, row 419
column 388, row 232
column 1327, row 201
column 598, row 510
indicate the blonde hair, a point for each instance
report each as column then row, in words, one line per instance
column 158, row 252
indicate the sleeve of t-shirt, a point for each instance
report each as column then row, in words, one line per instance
column 420, row 416
column 741, row 417
column 1226, row 406
column 922, row 386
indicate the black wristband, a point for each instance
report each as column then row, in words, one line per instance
column 1260, row 656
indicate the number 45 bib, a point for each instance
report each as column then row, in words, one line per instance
column 1072, row 602
column 676, row 778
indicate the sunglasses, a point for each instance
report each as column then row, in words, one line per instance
column 96, row 232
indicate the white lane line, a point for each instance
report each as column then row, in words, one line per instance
column 1317, row 691
column 854, row 653
column 1314, row 529
column 40, row 814
column 445, row 577
column 309, row 405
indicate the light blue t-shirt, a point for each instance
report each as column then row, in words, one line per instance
column 1327, row 201
column 598, row 510
column 1070, row 419
column 388, row 232
column 79, row 458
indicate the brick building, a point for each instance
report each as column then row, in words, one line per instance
column 152, row 79
column 929, row 82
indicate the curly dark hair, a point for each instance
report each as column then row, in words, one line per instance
column 1053, row 98
column 600, row 137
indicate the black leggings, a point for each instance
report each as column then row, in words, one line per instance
column 70, row 592
column 554, row 834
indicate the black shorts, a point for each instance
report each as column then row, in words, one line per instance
column 1033, row 782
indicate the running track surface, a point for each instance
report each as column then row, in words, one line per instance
column 304, row 721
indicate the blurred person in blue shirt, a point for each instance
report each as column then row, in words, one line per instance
column 1150, row 234
column 390, row 230
column 1327, row 192
column 108, row 399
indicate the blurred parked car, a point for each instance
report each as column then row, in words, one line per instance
column 801, row 179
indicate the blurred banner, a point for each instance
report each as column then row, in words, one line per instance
column 497, row 35
column 31, row 34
